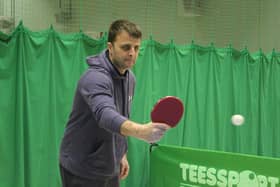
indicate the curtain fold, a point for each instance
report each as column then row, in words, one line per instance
column 38, row 76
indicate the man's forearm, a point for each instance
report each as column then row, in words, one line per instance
column 130, row 128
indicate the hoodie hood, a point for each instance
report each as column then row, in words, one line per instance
column 102, row 63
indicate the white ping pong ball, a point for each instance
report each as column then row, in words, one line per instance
column 237, row 119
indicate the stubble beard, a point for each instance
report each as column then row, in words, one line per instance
column 120, row 66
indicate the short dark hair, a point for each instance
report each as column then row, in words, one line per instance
column 123, row 25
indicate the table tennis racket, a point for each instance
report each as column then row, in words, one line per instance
column 168, row 110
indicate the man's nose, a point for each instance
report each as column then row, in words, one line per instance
column 132, row 52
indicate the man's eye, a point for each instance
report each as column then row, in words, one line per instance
column 126, row 47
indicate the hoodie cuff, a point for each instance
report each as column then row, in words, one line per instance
column 116, row 123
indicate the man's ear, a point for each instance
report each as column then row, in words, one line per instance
column 109, row 46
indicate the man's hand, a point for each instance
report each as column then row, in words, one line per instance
column 153, row 132
column 124, row 169
column 150, row 132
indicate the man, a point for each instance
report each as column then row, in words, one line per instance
column 94, row 146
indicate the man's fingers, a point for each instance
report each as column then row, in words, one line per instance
column 124, row 173
column 154, row 131
column 124, row 168
column 156, row 135
column 161, row 126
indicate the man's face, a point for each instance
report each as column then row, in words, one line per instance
column 123, row 52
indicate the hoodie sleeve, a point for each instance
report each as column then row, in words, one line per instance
column 97, row 90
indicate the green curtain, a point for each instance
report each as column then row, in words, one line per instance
column 38, row 76
column 214, row 84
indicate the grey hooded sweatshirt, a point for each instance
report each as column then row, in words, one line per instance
column 92, row 146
